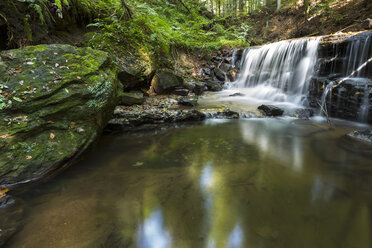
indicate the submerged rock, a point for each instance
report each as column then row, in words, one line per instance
column 364, row 136
column 12, row 216
column 55, row 101
column 270, row 110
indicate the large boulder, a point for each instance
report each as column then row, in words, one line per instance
column 165, row 81
column 55, row 100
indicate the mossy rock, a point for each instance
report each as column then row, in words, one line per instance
column 55, row 100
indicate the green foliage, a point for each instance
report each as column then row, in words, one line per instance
column 157, row 26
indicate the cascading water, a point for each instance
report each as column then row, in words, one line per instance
column 347, row 65
column 299, row 72
column 278, row 72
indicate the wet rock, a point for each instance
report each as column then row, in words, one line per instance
column 56, row 92
column 196, row 87
column 220, row 75
column 302, row 113
column 225, row 68
column 165, row 81
column 190, row 102
column 237, row 94
column 222, row 114
column 214, row 85
column 126, row 119
column 364, row 136
column 199, row 89
column 181, row 92
column 270, row 110
column 232, row 74
column 131, row 98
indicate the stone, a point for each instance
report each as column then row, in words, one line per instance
column 165, row 81
column 270, row 110
column 220, row 75
column 181, row 92
column 214, row 85
column 225, row 67
column 367, row 23
column 190, row 102
column 131, row 98
column 49, row 94
column 302, row 113
column 222, row 114
column 237, row 94
column 364, row 136
column 199, row 89
column 232, row 74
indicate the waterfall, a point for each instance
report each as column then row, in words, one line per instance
column 279, row 72
column 349, row 65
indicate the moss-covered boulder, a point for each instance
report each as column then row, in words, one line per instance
column 54, row 101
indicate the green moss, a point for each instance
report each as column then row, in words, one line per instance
column 56, row 83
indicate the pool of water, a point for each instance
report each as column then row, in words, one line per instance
column 241, row 183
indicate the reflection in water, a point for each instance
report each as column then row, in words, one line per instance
column 206, row 177
column 321, row 191
column 230, row 184
column 236, row 237
column 273, row 140
column 152, row 234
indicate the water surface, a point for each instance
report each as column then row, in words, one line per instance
column 244, row 183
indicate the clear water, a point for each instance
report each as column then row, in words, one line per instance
column 244, row 183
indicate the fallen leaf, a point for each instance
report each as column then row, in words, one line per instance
column 52, row 135
column 138, row 164
column 51, row 122
column 28, row 157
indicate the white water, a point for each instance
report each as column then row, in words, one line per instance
column 278, row 72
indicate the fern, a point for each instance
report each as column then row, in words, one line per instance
column 39, row 11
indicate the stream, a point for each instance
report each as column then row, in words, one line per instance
column 259, row 182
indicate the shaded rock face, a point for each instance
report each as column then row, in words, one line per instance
column 270, row 110
column 131, row 81
column 343, row 78
column 165, row 81
column 55, row 101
